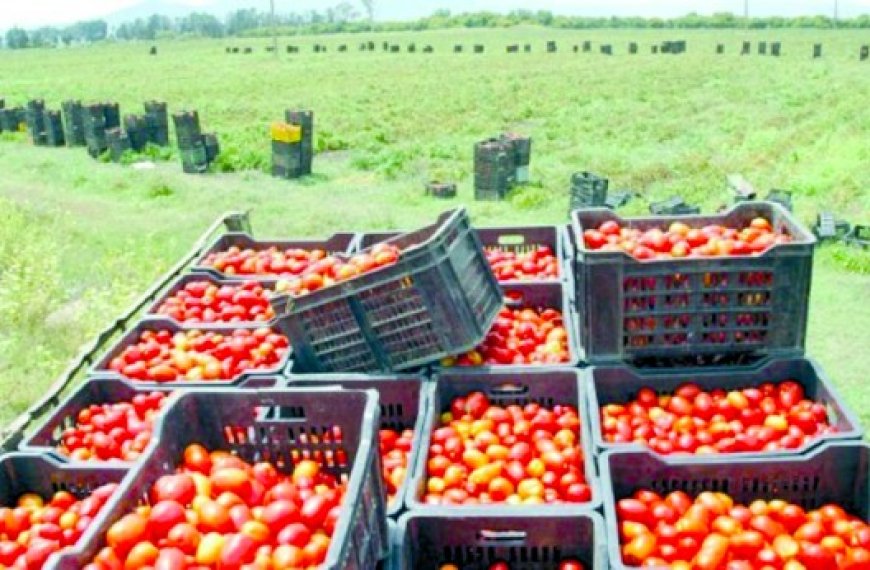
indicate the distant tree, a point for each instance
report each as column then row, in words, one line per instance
column 369, row 6
column 201, row 24
column 17, row 38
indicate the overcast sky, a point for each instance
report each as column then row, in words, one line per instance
column 30, row 13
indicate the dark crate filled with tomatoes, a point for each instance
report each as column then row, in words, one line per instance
column 160, row 352
column 517, row 439
column 281, row 478
column 404, row 401
column 672, row 286
column 436, row 297
column 520, row 253
column 802, row 512
column 104, row 419
column 203, row 300
column 780, row 406
column 238, row 254
column 536, row 327
column 500, row 540
column 47, row 507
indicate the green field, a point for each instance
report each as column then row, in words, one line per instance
column 79, row 239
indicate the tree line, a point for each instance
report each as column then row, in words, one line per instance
column 346, row 18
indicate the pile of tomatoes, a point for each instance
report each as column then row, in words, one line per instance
column 333, row 269
column 538, row 263
column 269, row 261
column 564, row 565
column 395, row 450
column 195, row 355
column 485, row 453
column 712, row 532
column 35, row 529
column 218, row 511
column 203, row 301
column 771, row 417
column 681, row 240
column 520, row 337
column 118, row 430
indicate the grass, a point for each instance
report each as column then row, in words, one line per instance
column 80, row 239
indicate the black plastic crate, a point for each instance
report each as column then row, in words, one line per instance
column 858, row 236
column 546, row 387
column 100, row 369
column 630, row 309
column 339, row 243
column 541, row 295
column 674, row 206
column 588, row 190
column 403, row 401
column 289, row 424
column 833, row 473
column 47, row 437
column 829, row 227
column 438, row 299
column 620, row 384
column 517, row 239
column 528, row 541
column 44, row 475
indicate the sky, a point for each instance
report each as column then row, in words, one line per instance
column 32, row 13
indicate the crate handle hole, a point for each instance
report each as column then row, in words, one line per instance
column 284, row 414
column 508, row 389
column 501, row 535
column 514, row 298
column 511, row 239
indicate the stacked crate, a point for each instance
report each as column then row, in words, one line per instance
column 157, row 123
column 73, row 123
column 35, row 117
column 588, row 190
column 286, row 150
column 494, row 169
column 94, row 128
column 304, row 119
column 136, row 127
column 53, row 128
column 522, row 155
column 197, row 150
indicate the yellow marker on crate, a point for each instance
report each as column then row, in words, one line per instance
column 286, row 133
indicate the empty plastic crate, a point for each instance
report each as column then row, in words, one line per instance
column 833, row 473
column 858, row 236
column 403, row 401
column 543, row 295
column 44, row 475
column 47, row 437
column 517, row 239
column 526, row 541
column 630, row 309
column 438, row 299
column 290, row 425
column 620, row 384
column 545, row 387
column 183, row 280
column 338, row 243
column 101, row 367
column 587, row 190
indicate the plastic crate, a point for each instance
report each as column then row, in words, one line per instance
column 674, row 206
column 286, row 428
column 588, row 190
column 47, row 436
column 438, row 299
column 833, row 473
column 527, row 541
column 620, row 384
column 858, row 236
column 179, row 284
column 101, row 368
column 338, row 243
column 403, row 401
column 630, row 309
column 518, row 239
column 544, row 295
column 44, row 475
column 546, row 387
column 829, row 227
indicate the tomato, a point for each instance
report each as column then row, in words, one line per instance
column 127, row 532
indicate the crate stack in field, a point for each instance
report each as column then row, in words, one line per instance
column 157, row 123
column 286, row 150
column 522, row 155
column 53, row 124
column 94, row 127
column 73, row 123
column 35, row 118
column 197, row 149
column 587, row 190
column 304, row 119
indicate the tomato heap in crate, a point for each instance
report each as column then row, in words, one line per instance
column 205, row 301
